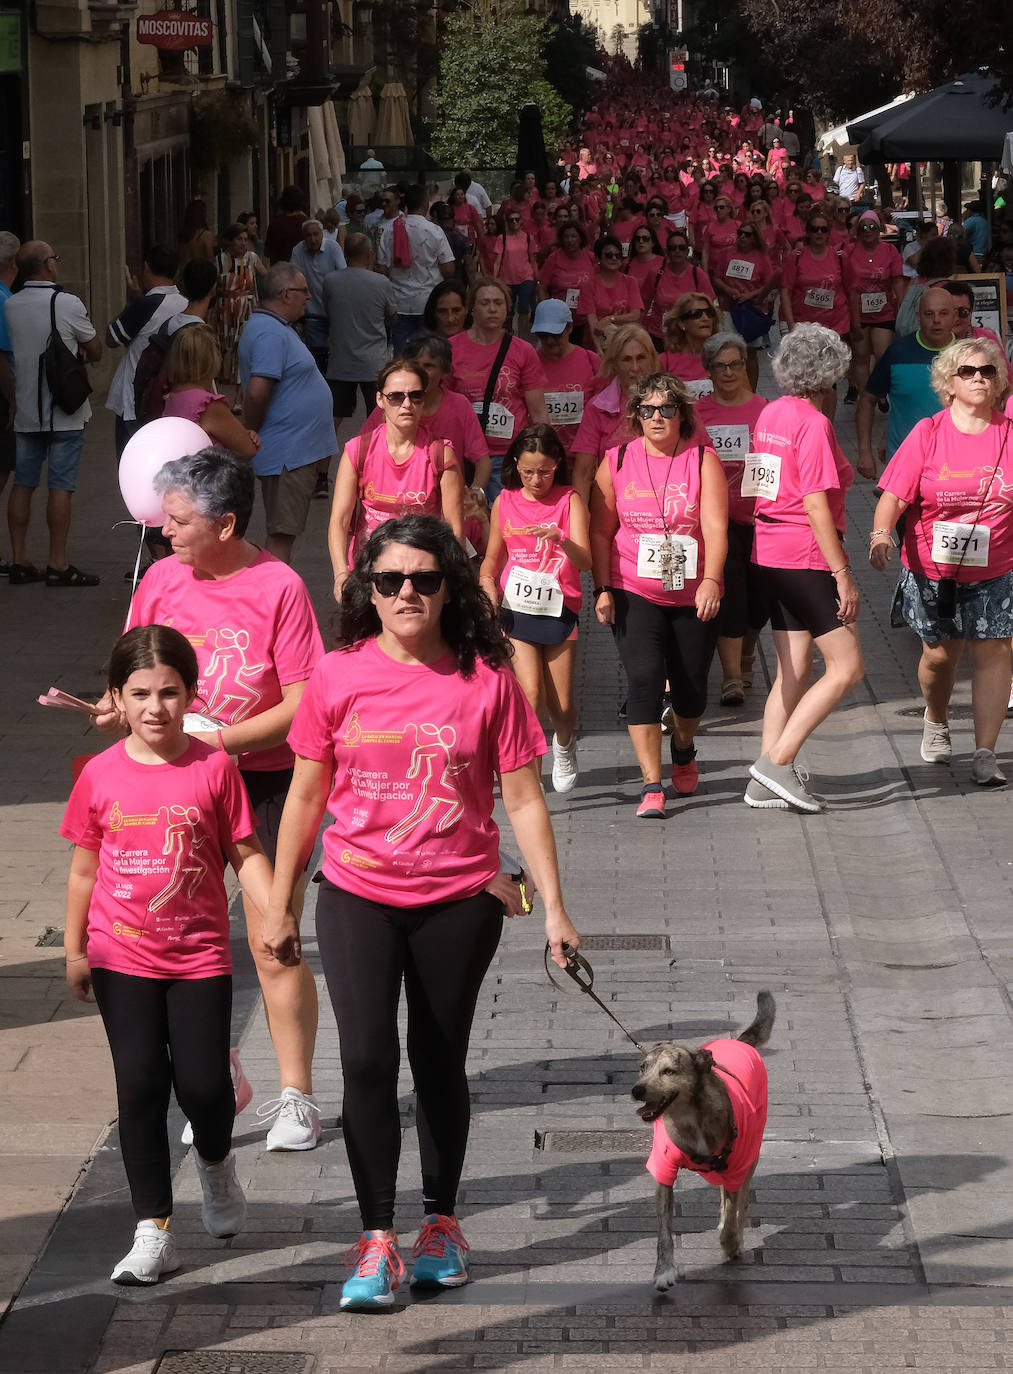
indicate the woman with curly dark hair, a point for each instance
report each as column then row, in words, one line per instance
column 399, row 735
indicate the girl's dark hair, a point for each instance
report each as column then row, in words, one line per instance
column 577, row 227
column 444, row 288
column 433, row 345
column 146, row 646
column 534, row 439
column 468, row 622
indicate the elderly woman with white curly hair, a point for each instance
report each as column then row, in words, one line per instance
column 952, row 479
column 799, row 476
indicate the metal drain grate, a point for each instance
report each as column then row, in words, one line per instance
column 594, row 1142
column 954, row 712
column 234, row 1362
column 658, row 942
column 52, row 935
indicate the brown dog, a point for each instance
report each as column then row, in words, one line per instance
column 709, row 1108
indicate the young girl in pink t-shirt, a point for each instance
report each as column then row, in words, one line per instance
column 154, row 820
column 538, row 547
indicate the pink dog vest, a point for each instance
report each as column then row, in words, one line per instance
column 748, row 1093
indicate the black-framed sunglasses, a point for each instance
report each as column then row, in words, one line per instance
column 819, row 228
column 745, row 234
column 426, row 583
column 677, row 246
column 642, row 238
column 398, row 398
column 697, row 314
column 986, row 371
column 667, row 411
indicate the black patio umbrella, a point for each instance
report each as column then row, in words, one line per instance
column 954, row 121
column 531, row 145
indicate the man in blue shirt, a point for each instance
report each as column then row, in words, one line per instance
column 288, row 402
column 976, row 229
column 902, row 376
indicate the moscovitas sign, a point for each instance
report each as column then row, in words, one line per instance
column 174, row 30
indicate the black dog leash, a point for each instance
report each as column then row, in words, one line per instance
column 576, row 966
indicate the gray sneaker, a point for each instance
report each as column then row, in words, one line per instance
column 985, row 769
column 759, row 796
column 936, row 747
column 787, row 780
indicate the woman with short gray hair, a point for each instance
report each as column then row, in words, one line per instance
column 251, row 622
column 798, row 476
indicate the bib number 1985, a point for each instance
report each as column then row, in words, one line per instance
column 761, row 475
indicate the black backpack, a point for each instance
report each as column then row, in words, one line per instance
column 65, row 373
column 151, row 378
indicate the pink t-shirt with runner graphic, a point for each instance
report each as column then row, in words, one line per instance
column 253, row 633
column 795, row 454
column 730, row 431
column 655, row 496
column 454, row 420
column 599, row 298
column 521, row 372
column 944, row 475
column 415, row 748
column 388, row 490
column 159, row 907
column 517, row 517
column 818, row 288
column 871, row 274
column 562, row 277
column 570, row 382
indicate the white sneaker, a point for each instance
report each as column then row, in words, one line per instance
column 241, row 1088
column 936, row 747
column 564, row 764
column 223, row 1210
column 298, row 1121
column 985, row 769
column 152, row 1255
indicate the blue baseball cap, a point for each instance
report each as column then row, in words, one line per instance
column 551, row 317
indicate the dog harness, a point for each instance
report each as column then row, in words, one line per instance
column 744, row 1074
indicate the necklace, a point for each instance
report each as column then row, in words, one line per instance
column 671, row 557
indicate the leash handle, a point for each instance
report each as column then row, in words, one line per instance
column 576, row 965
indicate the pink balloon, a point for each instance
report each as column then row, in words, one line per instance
column 146, row 453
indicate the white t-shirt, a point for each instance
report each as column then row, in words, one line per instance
column 476, row 195
column 429, row 248
column 27, row 315
column 132, row 328
column 848, row 180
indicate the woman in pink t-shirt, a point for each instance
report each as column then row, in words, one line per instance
column 659, row 521
column 610, row 298
column 952, row 479
column 516, row 264
column 718, row 242
column 729, row 415
column 687, row 327
column 401, row 735
column 571, row 373
column 750, row 279
column 538, row 547
column 251, row 622
column 645, row 260
column 798, row 475
column 566, row 270
column 674, row 278
column 876, row 288
column 467, row 220
column 154, row 820
column 814, row 289
column 391, row 471
column 194, row 362
column 629, row 355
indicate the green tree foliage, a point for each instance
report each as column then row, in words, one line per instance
column 493, row 63
column 571, row 48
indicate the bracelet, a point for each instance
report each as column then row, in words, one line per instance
column 888, row 533
column 76, row 959
column 711, row 579
column 597, row 591
column 845, row 568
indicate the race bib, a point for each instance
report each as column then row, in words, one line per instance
column 731, row 442
column 565, row 407
column 667, row 558
column 626, row 248
column 572, row 297
column 953, row 542
column 500, row 424
column 532, row 593
column 698, row 389
column 738, row 267
column 820, row 298
column 761, row 475
column 678, row 218
column 873, row 302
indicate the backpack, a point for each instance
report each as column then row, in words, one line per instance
column 65, row 373
column 151, row 379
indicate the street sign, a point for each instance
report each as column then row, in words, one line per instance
column 174, row 30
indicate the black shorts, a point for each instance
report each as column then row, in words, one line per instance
column 267, row 791
column 743, row 606
column 801, row 599
column 880, row 324
column 343, row 397
column 539, row 629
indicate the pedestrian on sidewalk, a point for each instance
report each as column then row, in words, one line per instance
column 154, row 820
column 952, row 480
column 251, row 620
column 9, row 245
column 44, row 433
column 799, row 476
column 400, row 734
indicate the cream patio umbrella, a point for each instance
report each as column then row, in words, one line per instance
column 361, row 114
column 393, row 123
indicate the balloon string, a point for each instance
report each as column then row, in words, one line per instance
column 136, row 577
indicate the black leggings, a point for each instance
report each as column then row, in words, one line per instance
column 441, row 953
column 658, row 642
column 167, row 1034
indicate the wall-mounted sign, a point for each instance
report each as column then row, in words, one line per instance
column 10, row 42
column 174, row 30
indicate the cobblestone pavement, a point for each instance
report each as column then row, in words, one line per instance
column 881, row 1231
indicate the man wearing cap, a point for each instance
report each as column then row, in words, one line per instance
column 570, row 373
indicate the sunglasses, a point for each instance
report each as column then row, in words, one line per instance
column 694, row 314
column 819, row 228
column 869, row 228
column 613, row 256
column 398, row 398
column 642, row 238
column 426, row 583
column 986, row 371
column 745, row 234
column 666, row 411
